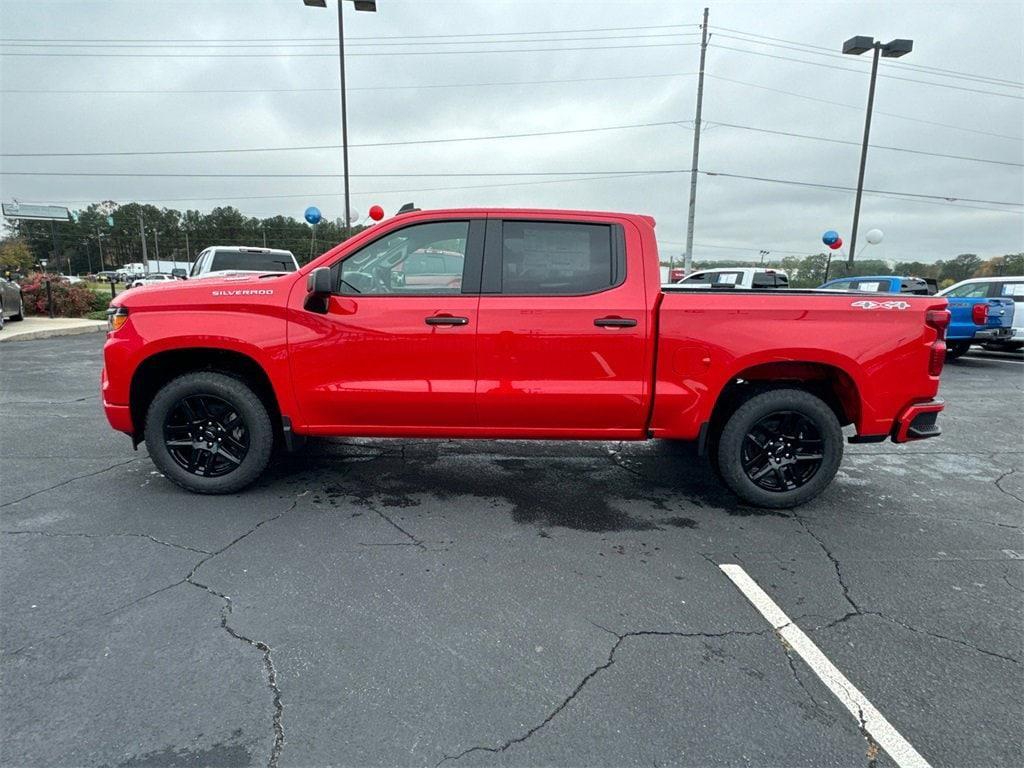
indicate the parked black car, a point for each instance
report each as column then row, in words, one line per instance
column 12, row 307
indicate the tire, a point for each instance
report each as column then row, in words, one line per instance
column 21, row 310
column 955, row 349
column 1, row 316
column 767, row 470
column 202, row 409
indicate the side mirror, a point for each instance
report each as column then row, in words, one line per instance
column 319, row 286
column 179, row 273
column 319, row 282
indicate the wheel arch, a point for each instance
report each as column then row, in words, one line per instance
column 830, row 382
column 161, row 367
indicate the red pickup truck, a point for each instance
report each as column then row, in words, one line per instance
column 552, row 324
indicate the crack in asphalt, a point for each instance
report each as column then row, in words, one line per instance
column 226, row 611
column 621, row 638
column 59, row 534
column 413, row 540
column 1011, row 494
column 802, row 522
column 67, row 481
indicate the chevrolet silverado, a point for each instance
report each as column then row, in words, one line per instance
column 551, row 324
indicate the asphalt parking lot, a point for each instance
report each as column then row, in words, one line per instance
column 375, row 602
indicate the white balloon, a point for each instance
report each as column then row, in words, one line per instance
column 353, row 215
column 874, row 236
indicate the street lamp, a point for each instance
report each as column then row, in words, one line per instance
column 855, row 46
column 360, row 5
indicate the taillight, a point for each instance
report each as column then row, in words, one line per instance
column 937, row 358
column 937, row 319
column 979, row 314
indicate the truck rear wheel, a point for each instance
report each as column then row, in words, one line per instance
column 780, row 449
column 209, row 433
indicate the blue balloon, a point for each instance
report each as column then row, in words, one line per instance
column 830, row 237
column 313, row 215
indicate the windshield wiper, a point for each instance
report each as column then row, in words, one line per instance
column 272, row 274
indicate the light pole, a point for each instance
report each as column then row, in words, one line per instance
column 855, row 46
column 360, row 5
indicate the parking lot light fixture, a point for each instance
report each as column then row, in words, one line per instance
column 360, row 5
column 855, row 46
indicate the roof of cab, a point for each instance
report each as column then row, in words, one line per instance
column 552, row 212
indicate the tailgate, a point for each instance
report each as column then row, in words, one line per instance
column 1000, row 313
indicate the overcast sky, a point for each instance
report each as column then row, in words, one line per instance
column 392, row 98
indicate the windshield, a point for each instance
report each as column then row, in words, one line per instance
column 254, row 261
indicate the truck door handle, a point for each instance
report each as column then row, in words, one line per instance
column 446, row 320
column 615, row 322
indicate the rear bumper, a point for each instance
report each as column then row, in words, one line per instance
column 994, row 334
column 918, row 422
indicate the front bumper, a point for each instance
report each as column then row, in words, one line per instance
column 119, row 416
column 918, row 422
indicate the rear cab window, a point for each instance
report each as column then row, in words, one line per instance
column 252, row 261
column 770, row 280
column 553, row 258
column 969, row 291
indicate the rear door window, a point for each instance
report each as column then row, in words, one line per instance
column 542, row 258
column 770, row 280
column 1013, row 291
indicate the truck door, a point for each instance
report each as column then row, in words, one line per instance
column 563, row 337
column 394, row 354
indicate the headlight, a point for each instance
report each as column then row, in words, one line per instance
column 116, row 317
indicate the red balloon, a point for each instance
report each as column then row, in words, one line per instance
column 835, row 246
column 376, row 213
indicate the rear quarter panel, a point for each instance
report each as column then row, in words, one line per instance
column 709, row 339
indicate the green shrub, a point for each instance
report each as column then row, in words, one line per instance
column 68, row 300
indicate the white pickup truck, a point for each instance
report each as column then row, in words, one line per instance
column 736, row 277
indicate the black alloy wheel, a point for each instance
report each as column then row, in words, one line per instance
column 782, row 451
column 206, row 435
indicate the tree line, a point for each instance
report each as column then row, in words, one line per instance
column 111, row 233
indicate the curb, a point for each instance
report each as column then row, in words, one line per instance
column 7, row 335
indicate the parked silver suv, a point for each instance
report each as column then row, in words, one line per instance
column 220, row 260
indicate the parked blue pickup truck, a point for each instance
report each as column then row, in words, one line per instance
column 919, row 286
column 977, row 316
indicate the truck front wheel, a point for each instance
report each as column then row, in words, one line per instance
column 209, row 433
column 780, row 449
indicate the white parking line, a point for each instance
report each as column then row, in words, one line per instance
column 993, row 359
column 870, row 719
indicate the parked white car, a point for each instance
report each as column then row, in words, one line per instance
column 736, row 277
column 150, row 279
column 220, row 260
column 1008, row 287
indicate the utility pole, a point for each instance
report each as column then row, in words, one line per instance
column 142, row 234
column 344, row 113
column 688, row 263
column 156, row 240
column 99, row 244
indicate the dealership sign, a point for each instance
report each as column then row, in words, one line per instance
column 18, row 210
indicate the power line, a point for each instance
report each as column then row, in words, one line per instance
column 347, row 37
column 891, row 193
column 334, row 45
column 860, row 108
column 337, row 146
column 823, row 51
column 874, row 146
column 476, row 174
column 861, row 72
column 358, row 88
column 335, row 55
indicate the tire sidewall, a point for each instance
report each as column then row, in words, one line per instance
column 730, row 445
column 241, row 397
